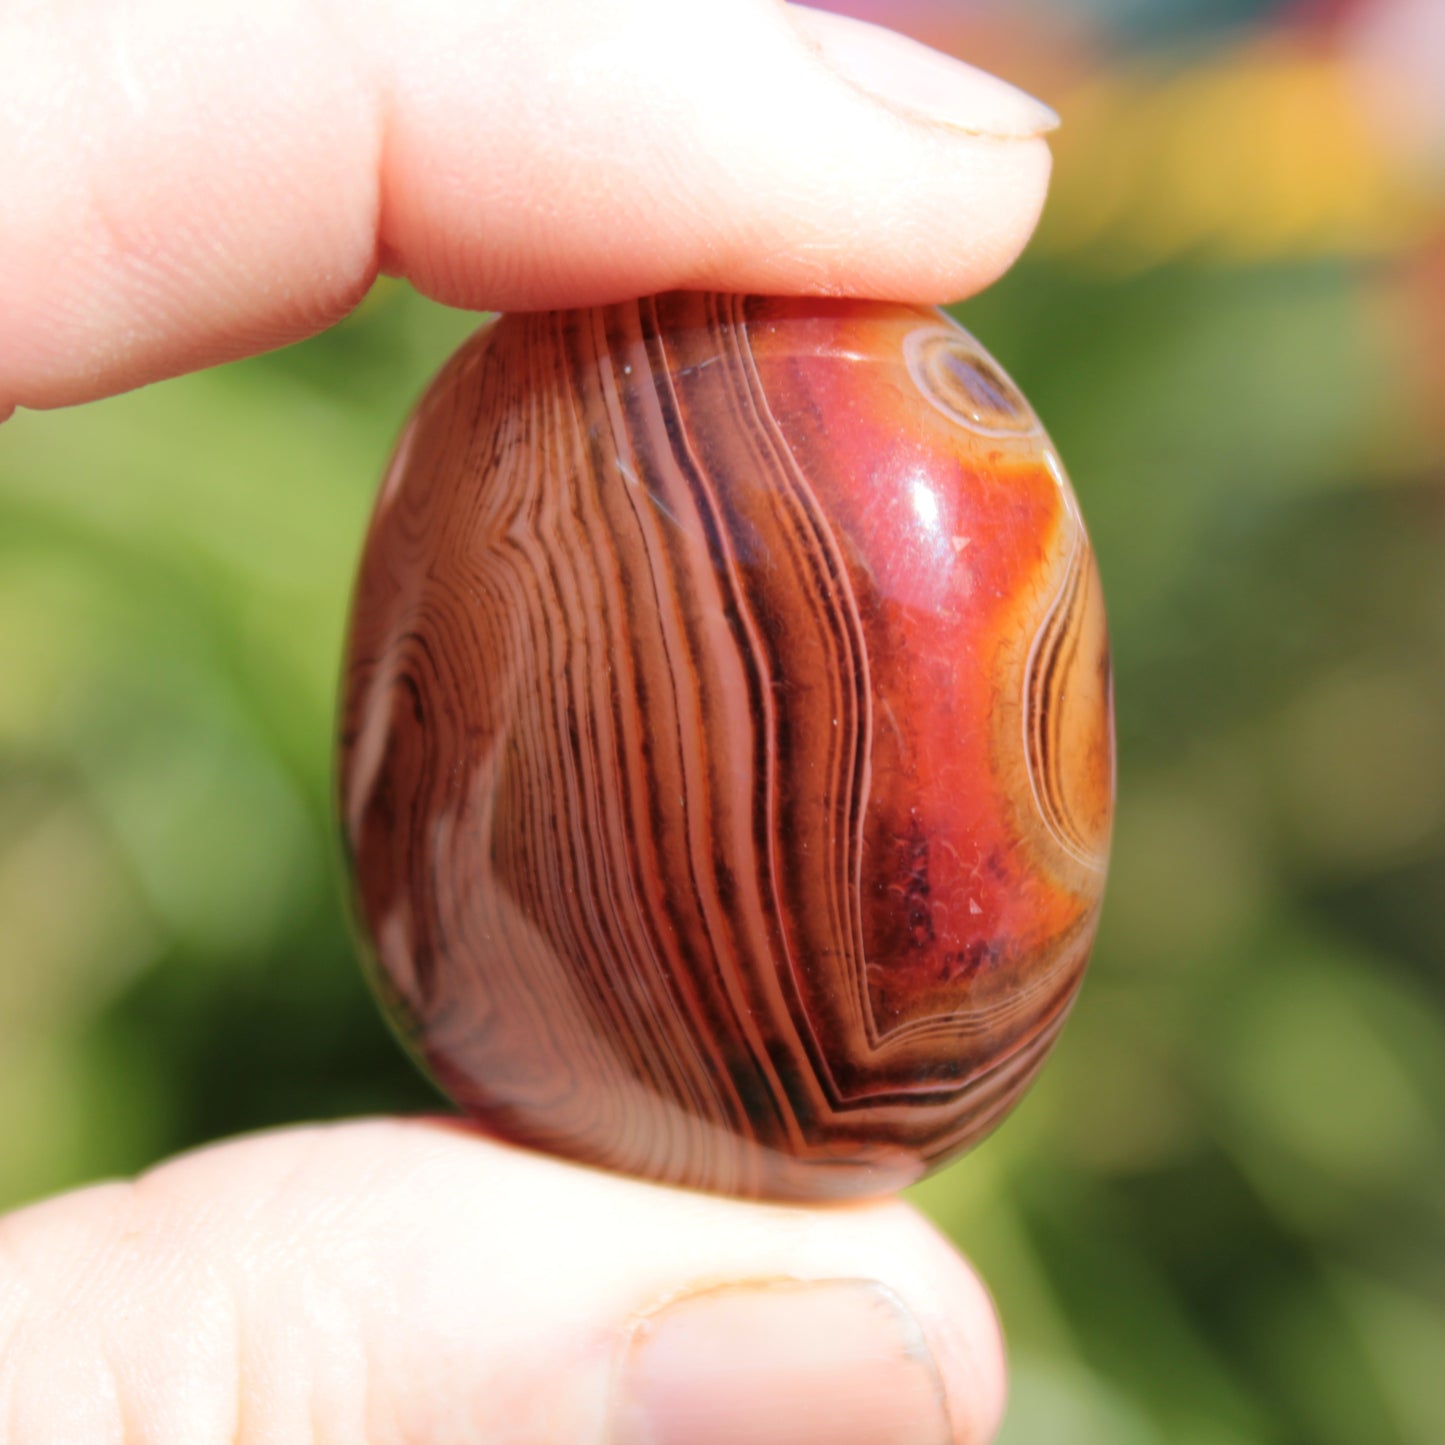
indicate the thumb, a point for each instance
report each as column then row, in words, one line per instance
column 189, row 184
column 386, row 1281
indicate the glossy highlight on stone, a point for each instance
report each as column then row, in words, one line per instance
column 727, row 746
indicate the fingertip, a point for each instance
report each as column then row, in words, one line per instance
column 717, row 1320
column 748, row 147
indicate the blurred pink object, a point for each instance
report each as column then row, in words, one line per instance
column 1398, row 49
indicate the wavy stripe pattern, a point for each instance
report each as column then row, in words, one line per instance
column 726, row 757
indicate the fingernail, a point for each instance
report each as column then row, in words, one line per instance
column 841, row 1361
column 925, row 83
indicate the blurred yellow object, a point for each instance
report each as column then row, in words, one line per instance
column 1262, row 150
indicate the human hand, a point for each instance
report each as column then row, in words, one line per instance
column 189, row 185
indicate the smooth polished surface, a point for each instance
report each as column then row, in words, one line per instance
column 727, row 755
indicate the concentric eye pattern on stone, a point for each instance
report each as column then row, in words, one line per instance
column 726, row 756
column 965, row 383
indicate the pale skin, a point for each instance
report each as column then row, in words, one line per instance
column 185, row 184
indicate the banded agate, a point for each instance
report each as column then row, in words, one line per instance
column 727, row 752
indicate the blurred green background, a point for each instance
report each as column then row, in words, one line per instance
column 1220, row 1217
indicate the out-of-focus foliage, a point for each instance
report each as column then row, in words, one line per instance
column 1220, row 1217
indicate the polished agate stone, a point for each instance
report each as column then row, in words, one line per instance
column 727, row 760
